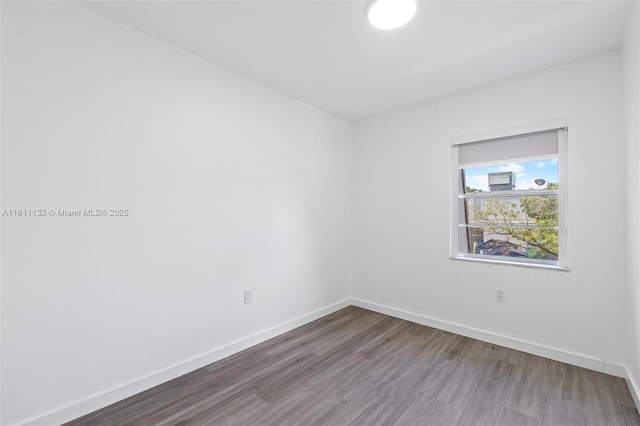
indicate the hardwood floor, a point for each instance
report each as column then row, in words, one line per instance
column 364, row 368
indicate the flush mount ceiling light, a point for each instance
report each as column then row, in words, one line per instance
column 390, row 14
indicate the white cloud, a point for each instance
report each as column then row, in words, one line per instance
column 526, row 184
column 541, row 164
column 478, row 182
column 511, row 167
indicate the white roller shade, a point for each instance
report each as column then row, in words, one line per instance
column 531, row 145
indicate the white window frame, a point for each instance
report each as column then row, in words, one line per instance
column 561, row 125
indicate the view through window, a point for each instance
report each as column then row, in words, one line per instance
column 511, row 209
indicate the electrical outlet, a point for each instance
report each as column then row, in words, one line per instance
column 501, row 295
column 248, row 296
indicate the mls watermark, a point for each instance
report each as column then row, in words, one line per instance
column 65, row 212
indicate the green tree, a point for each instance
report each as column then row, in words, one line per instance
column 511, row 219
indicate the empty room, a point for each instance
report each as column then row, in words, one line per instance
column 318, row 212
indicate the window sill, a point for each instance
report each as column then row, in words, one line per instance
column 511, row 263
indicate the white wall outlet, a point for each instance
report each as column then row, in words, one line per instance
column 501, row 295
column 248, row 296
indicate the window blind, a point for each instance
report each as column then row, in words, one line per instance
column 532, row 145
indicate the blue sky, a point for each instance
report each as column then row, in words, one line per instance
column 526, row 172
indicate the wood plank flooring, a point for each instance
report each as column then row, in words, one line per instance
column 357, row 367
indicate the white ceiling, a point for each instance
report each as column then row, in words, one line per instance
column 326, row 54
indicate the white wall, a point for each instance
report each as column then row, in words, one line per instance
column 230, row 185
column 631, row 70
column 401, row 213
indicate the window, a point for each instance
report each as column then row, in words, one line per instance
column 509, row 198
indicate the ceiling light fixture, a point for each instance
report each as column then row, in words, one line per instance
column 390, row 14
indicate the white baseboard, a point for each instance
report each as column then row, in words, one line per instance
column 634, row 389
column 107, row 397
column 497, row 339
